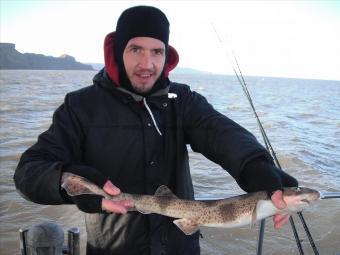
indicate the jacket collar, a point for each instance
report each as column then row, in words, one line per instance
column 139, row 98
column 103, row 80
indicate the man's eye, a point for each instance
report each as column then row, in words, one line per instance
column 135, row 49
column 158, row 52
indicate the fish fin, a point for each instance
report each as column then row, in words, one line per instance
column 164, row 191
column 188, row 226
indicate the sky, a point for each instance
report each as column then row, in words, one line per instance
column 297, row 39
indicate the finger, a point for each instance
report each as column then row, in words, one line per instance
column 280, row 220
column 111, row 189
column 279, row 217
column 277, row 199
column 116, row 207
column 126, row 203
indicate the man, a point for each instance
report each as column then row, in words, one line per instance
column 130, row 130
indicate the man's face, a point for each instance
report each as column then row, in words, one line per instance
column 144, row 59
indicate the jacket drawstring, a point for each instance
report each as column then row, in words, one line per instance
column 151, row 115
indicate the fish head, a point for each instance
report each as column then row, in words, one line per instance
column 298, row 198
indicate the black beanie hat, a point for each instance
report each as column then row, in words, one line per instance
column 140, row 21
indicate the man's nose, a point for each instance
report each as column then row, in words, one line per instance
column 146, row 60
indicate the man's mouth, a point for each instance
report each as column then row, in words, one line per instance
column 144, row 76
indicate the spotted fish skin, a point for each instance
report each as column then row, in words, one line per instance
column 190, row 214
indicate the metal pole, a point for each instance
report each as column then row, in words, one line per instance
column 260, row 239
column 22, row 233
column 73, row 241
column 329, row 195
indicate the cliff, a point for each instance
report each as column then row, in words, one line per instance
column 10, row 58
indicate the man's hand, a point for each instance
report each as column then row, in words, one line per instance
column 279, row 219
column 261, row 174
column 115, row 206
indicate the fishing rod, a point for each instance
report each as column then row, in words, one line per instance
column 269, row 147
column 277, row 163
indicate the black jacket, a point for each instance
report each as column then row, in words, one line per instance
column 106, row 129
column 110, row 130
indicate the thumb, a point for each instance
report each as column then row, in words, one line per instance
column 111, row 189
column 277, row 199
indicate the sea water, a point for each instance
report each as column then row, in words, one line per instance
column 301, row 118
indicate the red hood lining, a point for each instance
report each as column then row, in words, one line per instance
column 112, row 67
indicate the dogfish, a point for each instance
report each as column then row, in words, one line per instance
column 189, row 215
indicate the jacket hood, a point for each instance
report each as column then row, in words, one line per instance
column 112, row 67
